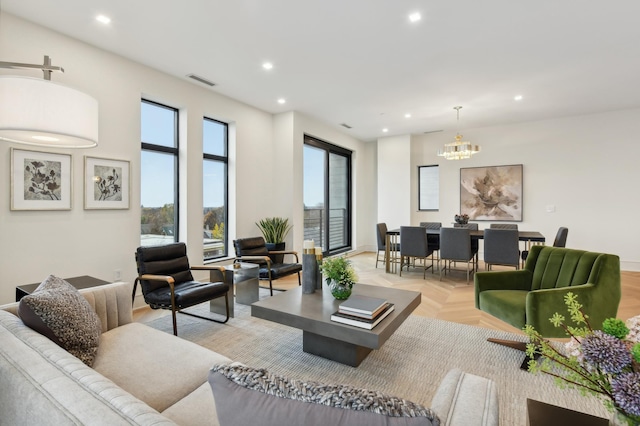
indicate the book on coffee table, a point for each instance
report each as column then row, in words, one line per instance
column 363, row 305
column 362, row 322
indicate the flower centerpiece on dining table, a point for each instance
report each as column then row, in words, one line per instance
column 462, row 219
column 340, row 276
column 605, row 363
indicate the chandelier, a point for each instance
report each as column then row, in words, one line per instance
column 459, row 149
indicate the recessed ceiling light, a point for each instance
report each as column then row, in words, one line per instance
column 415, row 17
column 282, row 100
column 104, row 19
column 517, row 98
column 407, row 115
column 267, row 65
column 385, row 130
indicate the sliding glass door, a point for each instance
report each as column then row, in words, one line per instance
column 327, row 195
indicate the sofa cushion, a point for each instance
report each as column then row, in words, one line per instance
column 58, row 311
column 156, row 367
column 243, row 395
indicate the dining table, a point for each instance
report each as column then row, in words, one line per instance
column 393, row 235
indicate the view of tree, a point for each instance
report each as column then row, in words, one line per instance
column 156, row 220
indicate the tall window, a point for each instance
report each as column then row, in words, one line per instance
column 214, row 187
column 158, row 174
column 327, row 195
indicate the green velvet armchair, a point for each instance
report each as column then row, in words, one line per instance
column 533, row 294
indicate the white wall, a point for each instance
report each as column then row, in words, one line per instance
column 569, row 163
column 394, row 181
column 265, row 153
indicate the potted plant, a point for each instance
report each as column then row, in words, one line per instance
column 274, row 230
column 340, row 276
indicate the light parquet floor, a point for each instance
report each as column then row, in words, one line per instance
column 451, row 299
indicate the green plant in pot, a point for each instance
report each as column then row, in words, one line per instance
column 274, row 230
column 340, row 276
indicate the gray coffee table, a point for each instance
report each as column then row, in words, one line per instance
column 339, row 342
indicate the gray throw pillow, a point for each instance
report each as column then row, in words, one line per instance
column 245, row 396
column 58, row 311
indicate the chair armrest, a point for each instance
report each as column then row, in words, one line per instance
column 503, row 280
column 150, row 277
column 542, row 304
column 292, row 252
column 265, row 259
column 208, row 268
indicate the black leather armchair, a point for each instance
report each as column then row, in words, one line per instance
column 254, row 250
column 167, row 283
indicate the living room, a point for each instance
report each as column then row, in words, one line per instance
column 568, row 166
column 579, row 170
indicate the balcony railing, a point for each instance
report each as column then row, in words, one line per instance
column 314, row 227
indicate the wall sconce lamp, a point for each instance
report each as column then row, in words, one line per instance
column 43, row 113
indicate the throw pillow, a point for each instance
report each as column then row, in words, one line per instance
column 58, row 311
column 243, row 394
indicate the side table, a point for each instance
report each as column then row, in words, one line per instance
column 243, row 282
column 543, row 414
column 83, row 281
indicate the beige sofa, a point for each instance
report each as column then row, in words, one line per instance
column 138, row 376
column 142, row 376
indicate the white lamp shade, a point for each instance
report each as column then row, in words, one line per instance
column 43, row 113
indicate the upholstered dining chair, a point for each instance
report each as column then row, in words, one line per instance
column 455, row 246
column 434, row 240
column 414, row 245
column 166, row 281
column 381, row 233
column 254, row 250
column 559, row 241
column 503, row 226
column 501, row 247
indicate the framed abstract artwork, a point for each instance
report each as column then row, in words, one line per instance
column 40, row 180
column 492, row 193
column 106, row 183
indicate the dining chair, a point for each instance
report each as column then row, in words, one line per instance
column 434, row 240
column 414, row 244
column 559, row 241
column 455, row 246
column 503, row 226
column 501, row 247
column 381, row 231
column 471, row 226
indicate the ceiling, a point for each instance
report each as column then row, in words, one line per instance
column 363, row 63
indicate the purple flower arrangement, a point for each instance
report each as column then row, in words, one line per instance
column 603, row 362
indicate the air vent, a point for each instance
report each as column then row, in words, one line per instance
column 201, row 80
column 432, row 131
column 345, row 125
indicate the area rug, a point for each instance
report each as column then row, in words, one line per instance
column 410, row 364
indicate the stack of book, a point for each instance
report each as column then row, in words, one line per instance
column 362, row 311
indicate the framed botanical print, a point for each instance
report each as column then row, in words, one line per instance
column 40, row 180
column 106, row 183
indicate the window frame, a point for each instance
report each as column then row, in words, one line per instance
column 175, row 151
column 225, row 160
column 329, row 149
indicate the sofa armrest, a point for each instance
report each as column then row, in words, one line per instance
column 464, row 399
column 503, row 280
